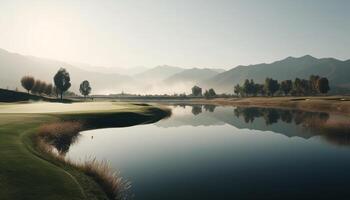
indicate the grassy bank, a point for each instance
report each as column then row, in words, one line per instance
column 28, row 173
column 17, row 96
column 331, row 104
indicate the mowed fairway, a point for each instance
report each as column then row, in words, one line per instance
column 24, row 174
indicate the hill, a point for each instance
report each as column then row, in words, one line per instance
column 336, row 71
column 14, row 66
column 158, row 73
column 194, row 75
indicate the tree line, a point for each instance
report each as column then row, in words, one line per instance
column 61, row 85
column 197, row 91
column 299, row 87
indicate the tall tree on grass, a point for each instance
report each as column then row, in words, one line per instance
column 286, row 86
column 271, row 86
column 238, row 90
column 62, row 81
column 36, row 87
column 55, row 91
column 246, row 87
column 85, row 88
column 48, row 89
column 323, row 85
column 42, row 87
column 313, row 83
column 27, row 82
column 260, row 89
column 196, row 91
column 210, row 93
column 305, row 87
column 297, row 88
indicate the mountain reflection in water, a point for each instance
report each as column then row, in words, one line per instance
column 289, row 122
column 214, row 152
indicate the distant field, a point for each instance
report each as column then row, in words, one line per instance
column 333, row 104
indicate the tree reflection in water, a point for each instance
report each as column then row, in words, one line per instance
column 196, row 109
column 210, row 108
column 319, row 123
column 272, row 116
column 314, row 123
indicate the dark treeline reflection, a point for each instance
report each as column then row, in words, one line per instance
column 311, row 123
column 198, row 108
column 272, row 116
column 318, row 123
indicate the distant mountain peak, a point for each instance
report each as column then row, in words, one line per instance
column 308, row 56
column 289, row 68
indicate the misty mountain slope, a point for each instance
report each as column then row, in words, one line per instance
column 193, row 75
column 335, row 70
column 15, row 66
column 159, row 73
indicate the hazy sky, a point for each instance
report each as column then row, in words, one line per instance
column 189, row 33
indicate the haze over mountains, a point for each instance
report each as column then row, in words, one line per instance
column 336, row 71
column 169, row 79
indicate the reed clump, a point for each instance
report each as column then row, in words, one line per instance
column 60, row 134
column 113, row 185
column 53, row 139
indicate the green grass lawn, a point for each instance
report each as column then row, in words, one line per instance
column 27, row 174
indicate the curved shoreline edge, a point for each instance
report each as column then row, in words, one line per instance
column 42, row 176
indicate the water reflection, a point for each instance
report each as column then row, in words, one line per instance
column 210, row 108
column 196, row 109
column 215, row 152
column 272, row 116
column 62, row 144
column 288, row 122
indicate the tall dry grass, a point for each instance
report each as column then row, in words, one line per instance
column 113, row 185
column 60, row 134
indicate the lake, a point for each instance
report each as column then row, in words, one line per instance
column 214, row 152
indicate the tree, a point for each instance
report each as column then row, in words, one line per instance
column 323, row 85
column 209, row 93
column 42, row 87
column 37, row 87
column 297, row 86
column 48, row 89
column 237, row 90
column 55, row 91
column 62, row 81
column 27, row 82
column 196, row 91
column 85, row 88
column 254, row 87
column 246, row 87
column 212, row 92
column 286, row 86
column 260, row 89
column 271, row 86
column 313, row 83
column 305, row 86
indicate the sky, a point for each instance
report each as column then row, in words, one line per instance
column 186, row 33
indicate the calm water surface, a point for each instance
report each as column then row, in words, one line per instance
column 208, row 152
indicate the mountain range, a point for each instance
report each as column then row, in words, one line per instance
column 336, row 71
column 169, row 79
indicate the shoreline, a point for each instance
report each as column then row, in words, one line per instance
column 330, row 104
column 20, row 132
column 335, row 105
